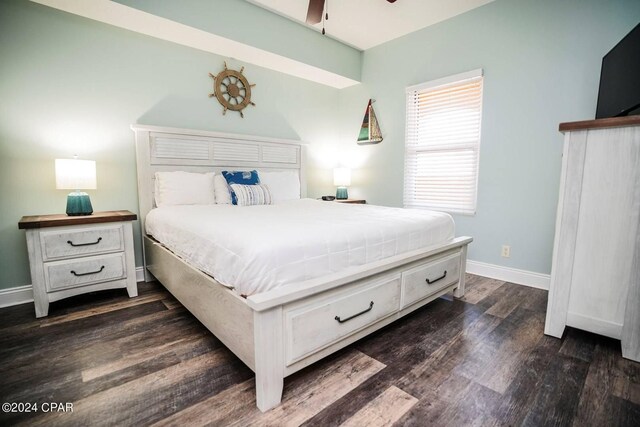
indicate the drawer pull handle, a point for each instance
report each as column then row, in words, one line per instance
column 430, row 282
column 355, row 315
column 84, row 244
column 86, row 274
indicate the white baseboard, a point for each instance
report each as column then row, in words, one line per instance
column 512, row 275
column 24, row 294
column 15, row 296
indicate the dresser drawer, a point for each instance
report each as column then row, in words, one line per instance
column 429, row 278
column 317, row 325
column 68, row 243
column 84, row 271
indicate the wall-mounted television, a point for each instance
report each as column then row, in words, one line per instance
column 619, row 93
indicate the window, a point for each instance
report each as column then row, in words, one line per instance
column 442, row 144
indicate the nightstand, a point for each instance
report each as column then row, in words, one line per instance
column 353, row 201
column 72, row 255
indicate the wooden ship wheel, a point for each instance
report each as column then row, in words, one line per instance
column 232, row 90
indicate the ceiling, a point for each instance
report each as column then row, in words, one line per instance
column 367, row 23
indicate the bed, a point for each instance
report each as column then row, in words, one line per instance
column 280, row 310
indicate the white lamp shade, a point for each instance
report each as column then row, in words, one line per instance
column 73, row 174
column 342, row 177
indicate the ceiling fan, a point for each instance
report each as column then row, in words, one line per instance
column 316, row 7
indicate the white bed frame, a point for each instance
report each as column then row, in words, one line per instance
column 279, row 332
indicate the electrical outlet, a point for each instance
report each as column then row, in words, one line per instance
column 506, row 251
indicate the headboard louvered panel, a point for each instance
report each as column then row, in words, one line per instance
column 234, row 152
column 166, row 150
column 180, row 148
column 280, row 154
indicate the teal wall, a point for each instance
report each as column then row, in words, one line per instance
column 69, row 85
column 542, row 65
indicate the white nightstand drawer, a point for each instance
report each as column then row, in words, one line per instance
column 69, row 243
column 84, row 271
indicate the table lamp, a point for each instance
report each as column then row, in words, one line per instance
column 74, row 174
column 342, row 179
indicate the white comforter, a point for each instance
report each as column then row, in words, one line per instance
column 257, row 248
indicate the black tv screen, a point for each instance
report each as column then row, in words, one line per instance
column 619, row 93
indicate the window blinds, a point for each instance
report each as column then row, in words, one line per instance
column 443, row 143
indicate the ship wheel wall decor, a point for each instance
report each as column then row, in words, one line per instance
column 232, row 90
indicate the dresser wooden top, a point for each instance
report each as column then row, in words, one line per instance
column 601, row 123
column 58, row 220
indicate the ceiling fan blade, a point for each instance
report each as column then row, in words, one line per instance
column 314, row 14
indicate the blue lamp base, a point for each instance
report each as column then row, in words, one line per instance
column 341, row 193
column 79, row 203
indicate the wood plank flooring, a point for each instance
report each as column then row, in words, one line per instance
column 481, row 360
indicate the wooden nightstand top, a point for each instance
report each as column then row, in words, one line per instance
column 354, row 201
column 58, row 220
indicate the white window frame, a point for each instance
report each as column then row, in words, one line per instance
column 412, row 148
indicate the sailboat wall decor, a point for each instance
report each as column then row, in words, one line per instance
column 370, row 130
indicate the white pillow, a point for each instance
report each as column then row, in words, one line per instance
column 251, row 195
column 223, row 196
column 283, row 185
column 184, row 188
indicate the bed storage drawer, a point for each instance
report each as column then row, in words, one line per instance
column 75, row 242
column 429, row 278
column 84, row 271
column 314, row 326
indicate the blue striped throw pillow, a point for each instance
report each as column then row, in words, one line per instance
column 249, row 195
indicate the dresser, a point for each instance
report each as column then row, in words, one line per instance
column 72, row 255
column 595, row 277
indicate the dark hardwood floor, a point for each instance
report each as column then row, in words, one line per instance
column 482, row 360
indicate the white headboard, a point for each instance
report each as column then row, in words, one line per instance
column 171, row 149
